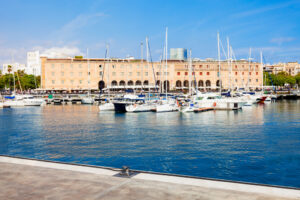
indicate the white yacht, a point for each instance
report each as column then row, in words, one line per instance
column 87, row 100
column 128, row 99
column 189, row 108
column 14, row 103
column 169, row 105
column 213, row 100
column 107, row 106
column 29, row 100
column 141, row 107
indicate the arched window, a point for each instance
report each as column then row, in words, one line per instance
column 200, row 83
column 178, row 83
column 138, row 83
column 114, row 83
column 101, row 85
column 166, row 85
column 218, row 83
column 146, row 82
column 122, row 83
column 186, row 83
column 207, row 83
column 130, row 83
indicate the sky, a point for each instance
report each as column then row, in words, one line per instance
column 68, row 27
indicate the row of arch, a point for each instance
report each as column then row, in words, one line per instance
column 129, row 83
column 178, row 83
column 200, row 83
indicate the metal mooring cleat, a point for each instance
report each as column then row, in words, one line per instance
column 125, row 171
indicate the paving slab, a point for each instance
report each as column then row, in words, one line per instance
column 26, row 179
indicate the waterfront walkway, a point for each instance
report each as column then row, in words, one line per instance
column 32, row 179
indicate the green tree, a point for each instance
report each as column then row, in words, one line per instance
column 26, row 81
column 9, row 68
column 297, row 78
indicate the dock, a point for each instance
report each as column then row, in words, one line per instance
column 24, row 179
column 203, row 109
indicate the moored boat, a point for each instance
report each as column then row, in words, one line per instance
column 213, row 100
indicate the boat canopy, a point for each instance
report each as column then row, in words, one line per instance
column 9, row 97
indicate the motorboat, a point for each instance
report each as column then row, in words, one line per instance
column 141, row 107
column 107, row 106
column 29, row 100
column 128, row 99
column 168, row 105
column 13, row 101
column 189, row 108
column 57, row 101
column 214, row 100
column 87, row 100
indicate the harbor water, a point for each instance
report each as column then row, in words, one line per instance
column 258, row 144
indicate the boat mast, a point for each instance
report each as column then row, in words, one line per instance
column 190, row 73
column 13, row 70
column 147, row 60
column 108, row 87
column 142, row 57
column 166, row 56
column 88, row 61
column 248, row 82
column 228, row 63
column 153, row 70
column 219, row 61
column 262, row 72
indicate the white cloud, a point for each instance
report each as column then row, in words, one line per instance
column 61, row 52
column 77, row 23
column 281, row 40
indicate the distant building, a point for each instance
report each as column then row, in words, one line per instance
column 178, row 54
column 66, row 74
column 33, row 63
column 291, row 68
column 15, row 67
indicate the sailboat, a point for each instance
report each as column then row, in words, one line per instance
column 147, row 105
column 13, row 100
column 190, row 107
column 88, row 99
column 108, row 105
column 168, row 104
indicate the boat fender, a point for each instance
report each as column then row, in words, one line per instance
column 134, row 105
column 214, row 104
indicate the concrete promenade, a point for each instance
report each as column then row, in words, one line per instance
column 31, row 179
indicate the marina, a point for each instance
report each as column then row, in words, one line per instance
column 256, row 144
column 150, row 100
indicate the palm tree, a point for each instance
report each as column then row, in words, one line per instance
column 9, row 68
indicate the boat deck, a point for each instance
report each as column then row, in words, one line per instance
column 32, row 179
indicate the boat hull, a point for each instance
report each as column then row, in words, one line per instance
column 33, row 102
column 87, row 101
column 107, row 107
column 14, row 103
column 120, row 107
column 167, row 108
column 139, row 108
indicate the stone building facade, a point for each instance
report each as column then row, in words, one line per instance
column 84, row 74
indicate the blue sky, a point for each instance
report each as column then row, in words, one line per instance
column 71, row 26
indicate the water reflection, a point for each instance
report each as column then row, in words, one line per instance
column 257, row 144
